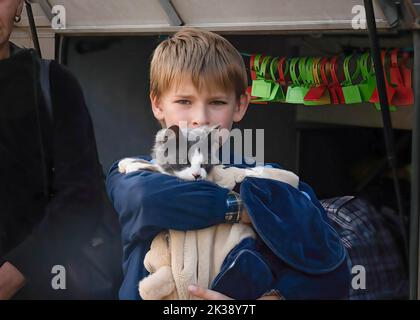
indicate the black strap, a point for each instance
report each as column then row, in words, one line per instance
column 46, row 85
column 44, row 74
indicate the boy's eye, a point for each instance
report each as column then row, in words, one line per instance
column 183, row 101
column 218, row 102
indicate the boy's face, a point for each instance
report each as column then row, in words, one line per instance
column 186, row 103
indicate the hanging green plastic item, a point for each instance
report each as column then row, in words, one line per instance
column 253, row 74
column 297, row 91
column 261, row 88
column 277, row 94
column 368, row 84
column 351, row 91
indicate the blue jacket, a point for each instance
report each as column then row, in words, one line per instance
column 304, row 252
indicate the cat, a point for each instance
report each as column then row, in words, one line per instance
column 190, row 159
column 198, row 159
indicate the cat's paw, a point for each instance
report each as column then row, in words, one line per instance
column 275, row 174
column 128, row 165
column 136, row 166
column 227, row 177
column 124, row 163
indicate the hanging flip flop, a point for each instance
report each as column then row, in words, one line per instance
column 297, row 91
column 318, row 94
column 368, row 84
column 351, row 90
column 390, row 91
column 254, row 68
column 404, row 95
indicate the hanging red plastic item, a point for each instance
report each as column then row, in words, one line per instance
column 334, row 87
column 406, row 72
column 389, row 89
column 283, row 65
column 401, row 79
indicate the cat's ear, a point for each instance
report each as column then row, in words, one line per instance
column 165, row 134
column 161, row 136
column 178, row 134
column 175, row 129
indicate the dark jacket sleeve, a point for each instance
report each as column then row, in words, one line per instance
column 148, row 202
column 310, row 258
column 73, row 211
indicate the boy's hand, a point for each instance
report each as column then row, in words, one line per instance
column 207, row 294
column 245, row 216
column 11, row 281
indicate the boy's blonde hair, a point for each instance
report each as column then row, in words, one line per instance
column 208, row 59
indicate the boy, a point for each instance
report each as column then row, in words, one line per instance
column 199, row 78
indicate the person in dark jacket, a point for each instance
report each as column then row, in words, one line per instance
column 199, row 78
column 52, row 194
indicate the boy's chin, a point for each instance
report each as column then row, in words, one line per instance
column 189, row 126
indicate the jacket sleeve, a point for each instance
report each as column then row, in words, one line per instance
column 306, row 254
column 148, row 202
column 75, row 208
column 293, row 224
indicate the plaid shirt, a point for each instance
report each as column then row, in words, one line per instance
column 371, row 239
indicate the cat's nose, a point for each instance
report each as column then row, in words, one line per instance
column 196, row 176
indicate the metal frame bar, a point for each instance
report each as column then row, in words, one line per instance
column 389, row 8
column 386, row 117
column 174, row 18
column 46, row 7
column 414, row 253
column 415, row 176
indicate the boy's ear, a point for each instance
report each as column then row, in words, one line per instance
column 241, row 107
column 156, row 108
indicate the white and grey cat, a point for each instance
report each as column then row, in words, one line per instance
column 197, row 160
column 190, row 159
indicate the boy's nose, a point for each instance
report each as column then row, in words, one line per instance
column 198, row 123
column 200, row 118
